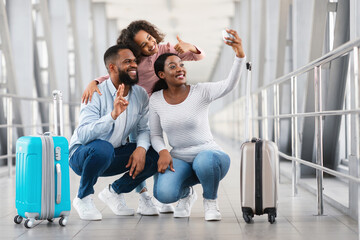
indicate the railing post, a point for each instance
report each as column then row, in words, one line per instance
column 294, row 130
column 319, row 139
column 276, row 120
column 9, row 136
column 354, row 158
column 357, row 118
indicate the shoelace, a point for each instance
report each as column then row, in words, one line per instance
column 211, row 205
column 148, row 202
column 183, row 203
column 89, row 204
column 120, row 201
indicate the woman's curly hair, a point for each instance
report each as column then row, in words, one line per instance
column 127, row 35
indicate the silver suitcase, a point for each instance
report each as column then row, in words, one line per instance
column 258, row 179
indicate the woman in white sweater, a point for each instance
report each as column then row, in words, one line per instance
column 181, row 111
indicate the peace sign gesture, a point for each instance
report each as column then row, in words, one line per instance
column 120, row 103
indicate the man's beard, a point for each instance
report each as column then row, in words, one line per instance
column 126, row 79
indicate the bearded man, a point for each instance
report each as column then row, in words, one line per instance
column 99, row 146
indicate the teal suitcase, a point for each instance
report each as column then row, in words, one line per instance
column 42, row 174
column 42, row 179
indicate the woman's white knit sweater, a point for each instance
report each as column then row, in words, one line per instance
column 187, row 124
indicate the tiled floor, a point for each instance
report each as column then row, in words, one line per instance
column 296, row 219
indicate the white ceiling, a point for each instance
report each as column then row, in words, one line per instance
column 199, row 22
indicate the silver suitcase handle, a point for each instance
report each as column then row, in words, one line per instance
column 58, row 189
column 57, row 97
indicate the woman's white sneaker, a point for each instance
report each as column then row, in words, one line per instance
column 86, row 208
column 211, row 208
column 116, row 202
column 146, row 206
column 163, row 207
column 183, row 208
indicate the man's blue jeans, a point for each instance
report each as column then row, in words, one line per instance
column 208, row 168
column 99, row 159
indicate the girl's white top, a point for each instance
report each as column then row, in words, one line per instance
column 187, row 124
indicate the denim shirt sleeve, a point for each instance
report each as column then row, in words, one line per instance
column 143, row 130
column 91, row 125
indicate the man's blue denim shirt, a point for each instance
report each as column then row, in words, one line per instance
column 95, row 121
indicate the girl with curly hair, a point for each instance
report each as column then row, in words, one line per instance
column 144, row 39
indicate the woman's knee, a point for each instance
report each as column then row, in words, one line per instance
column 205, row 159
column 166, row 196
column 208, row 159
column 166, row 193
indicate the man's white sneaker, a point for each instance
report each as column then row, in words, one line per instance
column 146, row 206
column 86, row 209
column 116, row 202
column 163, row 207
column 183, row 208
column 211, row 208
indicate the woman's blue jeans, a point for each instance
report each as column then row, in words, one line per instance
column 208, row 168
column 99, row 159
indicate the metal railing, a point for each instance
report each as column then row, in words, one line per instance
column 35, row 126
column 352, row 110
column 257, row 112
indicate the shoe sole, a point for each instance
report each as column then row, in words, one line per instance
column 213, row 218
column 150, row 214
column 138, row 211
column 166, row 210
column 125, row 213
column 90, row 219
column 177, row 215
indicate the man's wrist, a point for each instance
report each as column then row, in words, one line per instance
column 113, row 115
column 164, row 151
column 140, row 147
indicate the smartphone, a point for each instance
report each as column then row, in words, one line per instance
column 226, row 34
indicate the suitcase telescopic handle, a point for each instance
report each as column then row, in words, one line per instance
column 58, row 188
column 248, row 66
column 58, row 111
column 248, row 103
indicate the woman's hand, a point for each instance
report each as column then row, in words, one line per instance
column 183, row 47
column 164, row 161
column 89, row 91
column 235, row 43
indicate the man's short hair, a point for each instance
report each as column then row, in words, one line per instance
column 111, row 54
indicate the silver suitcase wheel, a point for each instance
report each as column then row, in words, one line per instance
column 29, row 223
